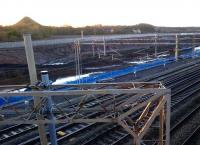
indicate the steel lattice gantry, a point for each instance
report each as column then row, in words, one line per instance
column 134, row 106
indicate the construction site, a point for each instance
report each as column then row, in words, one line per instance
column 131, row 89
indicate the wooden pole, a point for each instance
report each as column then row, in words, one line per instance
column 33, row 81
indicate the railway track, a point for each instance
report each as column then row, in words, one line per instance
column 183, row 128
column 171, row 79
column 122, row 133
column 193, row 138
column 71, row 133
column 117, row 135
column 73, row 127
column 193, row 91
column 16, row 130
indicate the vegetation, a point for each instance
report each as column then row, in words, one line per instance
column 38, row 31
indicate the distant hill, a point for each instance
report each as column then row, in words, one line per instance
column 26, row 25
column 26, row 21
column 38, row 31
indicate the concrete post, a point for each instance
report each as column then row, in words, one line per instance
column 104, row 46
column 27, row 105
column 33, row 81
column 156, row 45
column 193, row 46
column 52, row 127
column 93, row 52
column 176, row 49
column 30, row 59
column 81, row 34
column 99, row 55
column 135, row 73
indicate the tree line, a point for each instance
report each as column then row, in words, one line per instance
column 15, row 32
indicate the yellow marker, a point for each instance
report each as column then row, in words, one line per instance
column 61, row 133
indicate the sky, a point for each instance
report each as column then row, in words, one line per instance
column 106, row 12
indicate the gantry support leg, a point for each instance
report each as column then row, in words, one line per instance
column 161, row 130
column 136, row 141
column 130, row 131
column 168, row 110
column 159, row 110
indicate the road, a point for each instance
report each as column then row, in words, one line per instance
column 85, row 39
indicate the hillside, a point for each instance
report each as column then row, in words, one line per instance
column 28, row 25
column 25, row 25
column 38, row 31
column 27, row 22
